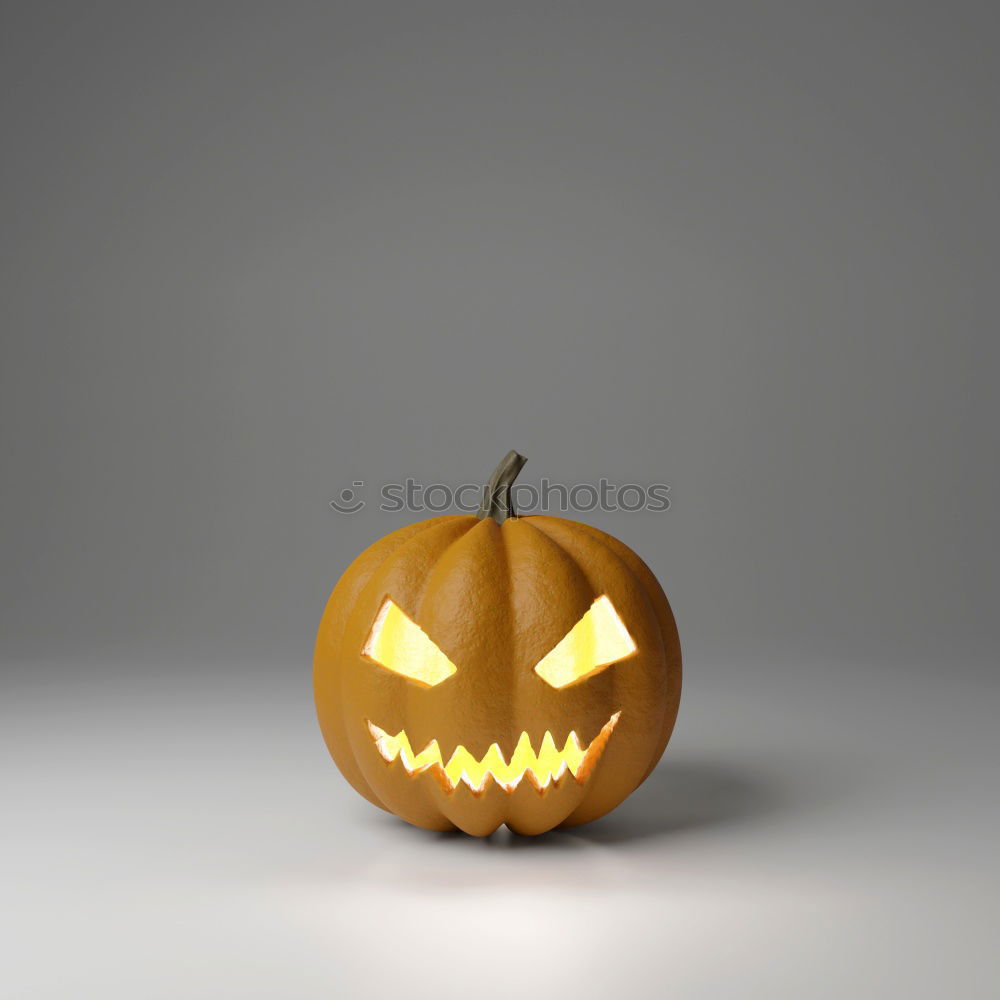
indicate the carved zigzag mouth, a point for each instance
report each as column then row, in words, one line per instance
column 548, row 765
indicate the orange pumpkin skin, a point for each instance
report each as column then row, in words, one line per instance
column 496, row 598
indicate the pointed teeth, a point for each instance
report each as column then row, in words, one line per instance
column 543, row 768
column 548, row 744
column 596, row 748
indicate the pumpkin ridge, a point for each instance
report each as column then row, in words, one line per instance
column 442, row 780
column 355, row 578
column 402, row 552
column 476, row 557
column 610, row 552
column 509, row 582
column 581, row 566
column 567, row 583
column 565, row 529
column 665, row 616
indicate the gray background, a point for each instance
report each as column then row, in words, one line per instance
column 255, row 252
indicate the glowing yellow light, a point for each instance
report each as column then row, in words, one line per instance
column 401, row 646
column 542, row 768
column 596, row 641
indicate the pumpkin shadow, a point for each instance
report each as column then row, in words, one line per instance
column 678, row 797
column 682, row 798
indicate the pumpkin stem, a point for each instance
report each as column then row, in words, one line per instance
column 497, row 502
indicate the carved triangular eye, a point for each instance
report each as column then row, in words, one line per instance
column 596, row 641
column 401, row 646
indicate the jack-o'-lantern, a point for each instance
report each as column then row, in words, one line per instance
column 478, row 671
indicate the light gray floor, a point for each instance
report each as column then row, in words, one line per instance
column 819, row 827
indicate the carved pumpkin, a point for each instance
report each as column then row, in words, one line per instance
column 478, row 671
